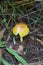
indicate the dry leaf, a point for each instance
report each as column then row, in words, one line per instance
column 1, row 33
column 20, row 48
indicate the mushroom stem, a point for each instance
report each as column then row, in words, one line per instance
column 21, row 39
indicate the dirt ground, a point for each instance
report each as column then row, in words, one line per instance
column 31, row 49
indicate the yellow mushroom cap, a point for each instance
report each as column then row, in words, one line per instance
column 21, row 29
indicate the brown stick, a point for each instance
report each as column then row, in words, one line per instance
column 41, row 42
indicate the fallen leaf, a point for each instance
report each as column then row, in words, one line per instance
column 20, row 48
column 1, row 33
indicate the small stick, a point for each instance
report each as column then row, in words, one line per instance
column 41, row 42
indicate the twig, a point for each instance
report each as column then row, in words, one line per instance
column 40, row 42
column 30, row 13
column 25, row 14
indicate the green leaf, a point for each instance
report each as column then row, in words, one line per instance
column 4, row 20
column 14, row 12
column 1, row 42
column 19, row 58
column 4, row 62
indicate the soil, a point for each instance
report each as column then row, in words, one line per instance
column 30, row 49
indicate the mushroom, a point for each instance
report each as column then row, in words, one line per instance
column 21, row 29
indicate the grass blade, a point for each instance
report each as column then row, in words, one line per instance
column 4, row 62
column 19, row 58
